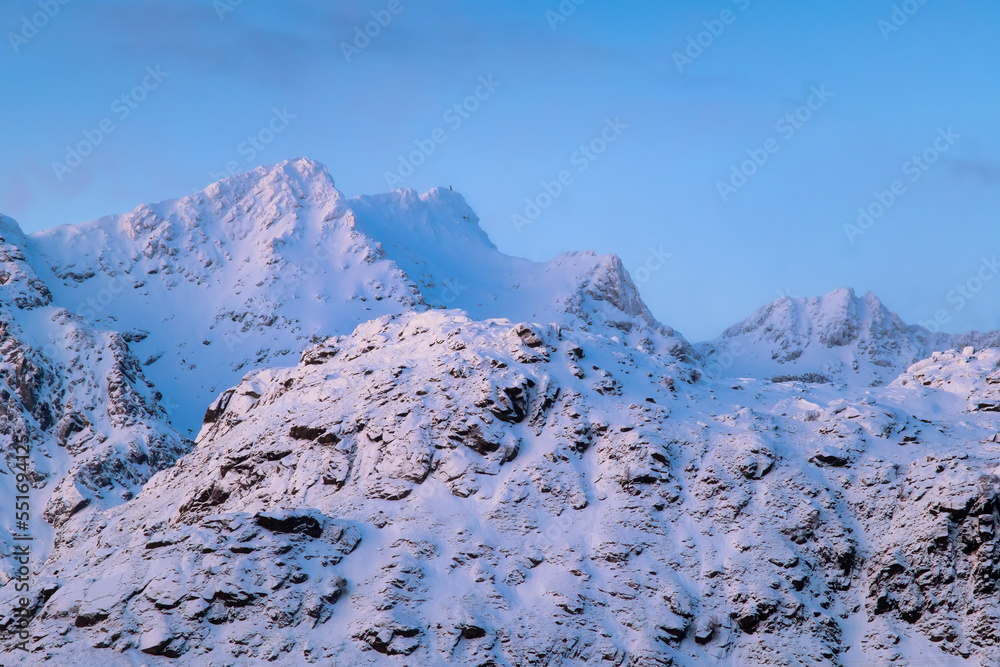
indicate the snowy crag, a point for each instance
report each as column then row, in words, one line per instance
column 414, row 450
column 79, row 422
column 249, row 271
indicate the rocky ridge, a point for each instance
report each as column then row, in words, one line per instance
column 436, row 490
column 839, row 337
column 80, row 424
column 278, row 258
column 416, row 450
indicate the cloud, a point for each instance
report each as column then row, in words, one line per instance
column 16, row 193
column 283, row 45
column 988, row 172
column 275, row 53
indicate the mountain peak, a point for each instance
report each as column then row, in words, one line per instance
column 298, row 169
column 837, row 336
column 301, row 170
column 837, row 318
column 279, row 256
column 19, row 284
column 297, row 179
column 418, row 221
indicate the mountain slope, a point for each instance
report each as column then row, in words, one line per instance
column 79, row 424
column 434, row 490
column 246, row 273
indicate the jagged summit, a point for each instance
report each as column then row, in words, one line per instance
column 277, row 257
column 837, row 319
column 303, row 172
column 839, row 336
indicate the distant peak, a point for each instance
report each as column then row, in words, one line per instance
column 297, row 179
column 839, row 303
column 841, row 294
column 10, row 231
column 302, row 167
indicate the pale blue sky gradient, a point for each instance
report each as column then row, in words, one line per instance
column 654, row 188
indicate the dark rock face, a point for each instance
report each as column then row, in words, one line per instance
column 216, row 409
column 940, row 573
column 291, row 521
column 319, row 434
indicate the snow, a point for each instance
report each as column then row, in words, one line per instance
column 278, row 258
column 413, row 449
column 838, row 337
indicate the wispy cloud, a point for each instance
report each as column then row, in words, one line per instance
column 280, row 45
column 988, row 172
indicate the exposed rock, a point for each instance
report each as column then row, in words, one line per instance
column 575, row 529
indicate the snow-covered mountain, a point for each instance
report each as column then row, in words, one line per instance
column 433, row 490
column 81, row 428
column 249, row 271
column 838, row 337
column 415, row 450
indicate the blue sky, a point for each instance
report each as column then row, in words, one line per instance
column 870, row 85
